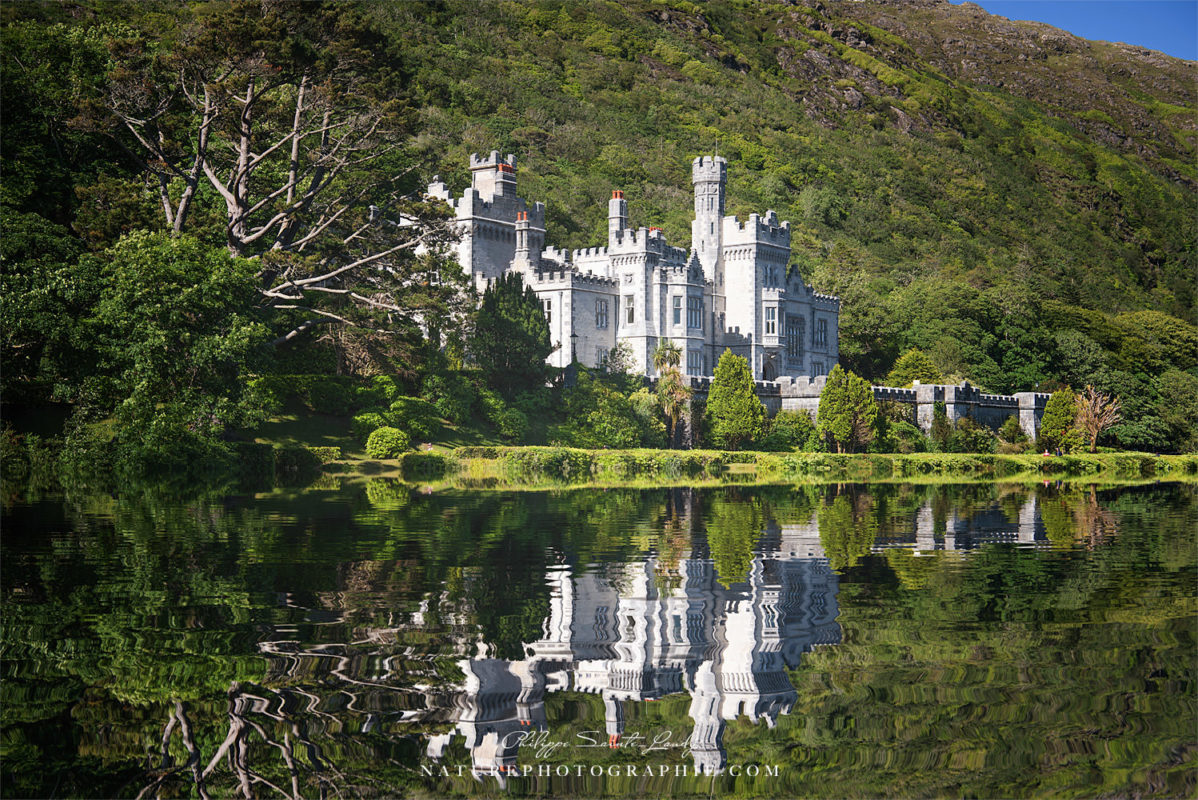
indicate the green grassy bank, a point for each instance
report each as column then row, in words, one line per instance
column 547, row 467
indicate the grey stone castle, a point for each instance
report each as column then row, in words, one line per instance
column 731, row 290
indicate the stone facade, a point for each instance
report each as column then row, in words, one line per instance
column 730, row 290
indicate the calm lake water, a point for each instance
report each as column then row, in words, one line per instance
column 833, row 641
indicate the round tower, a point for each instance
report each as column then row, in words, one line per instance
column 709, row 174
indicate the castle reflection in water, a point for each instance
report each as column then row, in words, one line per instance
column 626, row 635
column 634, row 631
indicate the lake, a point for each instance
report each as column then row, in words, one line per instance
column 375, row 639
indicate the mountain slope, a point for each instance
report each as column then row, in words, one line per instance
column 922, row 150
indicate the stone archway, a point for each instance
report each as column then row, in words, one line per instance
column 769, row 372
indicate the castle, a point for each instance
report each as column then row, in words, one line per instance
column 731, row 290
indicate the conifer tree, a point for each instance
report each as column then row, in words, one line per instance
column 511, row 336
column 735, row 413
column 847, row 411
column 1057, row 422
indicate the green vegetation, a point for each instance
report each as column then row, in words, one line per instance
column 170, row 266
column 735, row 413
column 848, row 416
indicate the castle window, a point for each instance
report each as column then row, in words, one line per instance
column 600, row 313
column 771, row 321
column 677, row 309
column 629, row 308
column 794, row 338
column 821, row 331
column 694, row 362
column 694, row 313
column 547, row 305
column 817, row 368
column 601, row 357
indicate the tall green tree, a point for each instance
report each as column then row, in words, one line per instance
column 1056, row 425
column 735, row 414
column 174, row 335
column 913, row 365
column 510, row 340
column 847, row 411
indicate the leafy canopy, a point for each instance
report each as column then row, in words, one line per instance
column 847, row 412
column 736, row 415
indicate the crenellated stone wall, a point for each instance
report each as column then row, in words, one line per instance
column 802, row 393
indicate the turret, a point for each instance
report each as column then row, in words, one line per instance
column 528, row 243
column 709, row 175
column 617, row 215
column 492, row 176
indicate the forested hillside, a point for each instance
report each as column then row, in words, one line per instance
column 1014, row 201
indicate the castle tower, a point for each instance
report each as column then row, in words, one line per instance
column 492, row 176
column 709, row 174
column 617, row 215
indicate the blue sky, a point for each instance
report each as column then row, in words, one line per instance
column 1170, row 26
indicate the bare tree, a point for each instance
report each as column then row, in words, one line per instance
column 288, row 121
column 1096, row 412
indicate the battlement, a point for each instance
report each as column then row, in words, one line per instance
column 756, row 228
column 892, row 394
column 589, row 252
column 802, row 385
column 825, row 300
column 493, row 161
column 570, row 277
column 709, row 168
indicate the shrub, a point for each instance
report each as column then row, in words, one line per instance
column 1011, row 432
column 511, row 424
column 379, row 393
column 367, row 423
column 416, row 416
column 424, row 466
column 296, row 464
column 387, row 442
column 452, row 395
column 788, row 430
column 327, row 395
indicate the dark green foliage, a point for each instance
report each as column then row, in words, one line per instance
column 599, row 415
column 1057, row 422
column 1011, row 432
column 913, row 365
column 510, row 341
column 387, row 442
column 417, row 416
column 734, row 413
column 942, row 429
column 425, row 466
column 452, row 394
column 848, row 413
column 970, row 437
column 367, row 423
column 788, row 430
column 330, row 396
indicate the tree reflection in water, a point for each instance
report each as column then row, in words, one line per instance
column 361, row 638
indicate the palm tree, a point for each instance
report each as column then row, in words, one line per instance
column 668, row 354
column 673, row 391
